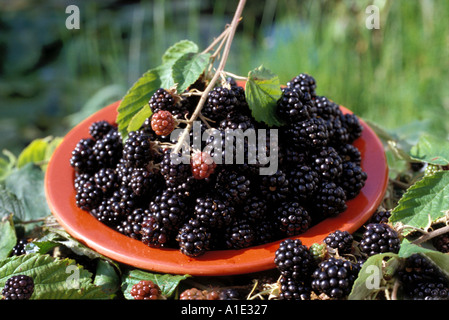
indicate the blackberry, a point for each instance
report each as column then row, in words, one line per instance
column 380, row 216
column 213, row 212
column 88, row 196
column 275, row 187
column 164, row 99
column 329, row 200
column 334, row 277
column 107, row 180
column 18, row 287
column 379, row 238
column 294, row 156
column 291, row 289
column 237, row 121
column 233, row 185
column 319, row 251
column 441, row 243
column 142, row 181
column 19, row 248
column 193, row 238
column 83, row 158
column 255, row 208
column 175, row 170
column 294, row 106
column 107, row 213
column 169, row 209
column 81, row 179
column 145, row 290
column 305, row 83
column 154, row 234
column 430, row 291
column 265, row 231
column 308, row 134
column 327, row 109
column 132, row 225
column 101, row 128
column 229, row 294
column 163, row 123
column 340, row 240
column 292, row 218
column 221, row 101
column 192, row 294
column 352, row 179
column 303, row 181
column 352, row 125
column 137, row 150
column 108, row 150
column 239, row 234
column 349, row 152
column 202, row 165
column 431, row 169
column 327, row 162
column 294, row 260
column 418, row 269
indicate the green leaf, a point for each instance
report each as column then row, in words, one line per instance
column 9, row 204
column 36, row 151
column 140, row 117
column 262, row 92
column 166, row 282
column 106, row 277
column 376, row 268
column 177, row 50
column 8, row 238
column 7, row 165
column 431, row 149
column 425, row 201
column 53, row 278
column 188, row 68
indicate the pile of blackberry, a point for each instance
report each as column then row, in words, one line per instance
column 138, row 187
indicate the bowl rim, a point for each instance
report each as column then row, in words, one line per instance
column 81, row 225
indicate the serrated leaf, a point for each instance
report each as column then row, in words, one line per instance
column 106, row 277
column 188, row 68
column 373, row 270
column 6, row 165
column 140, row 117
column 34, row 152
column 427, row 200
column 179, row 49
column 53, row 278
column 431, row 149
column 9, row 204
column 8, row 238
column 166, row 282
column 262, row 91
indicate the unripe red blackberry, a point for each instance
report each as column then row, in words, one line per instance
column 202, row 165
column 145, row 290
column 163, row 123
column 19, row 287
column 192, row 294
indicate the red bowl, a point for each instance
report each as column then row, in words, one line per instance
column 84, row 227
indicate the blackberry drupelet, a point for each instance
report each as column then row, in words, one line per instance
column 137, row 150
column 305, row 83
column 193, row 238
column 108, row 150
column 303, row 181
column 164, row 99
column 340, row 240
column 308, row 134
column 18, row 287
column 107, row 180
column 145, row 290
column 329, row 200
column 379, row 238
column 352, row 179
column 334, row 277
column 291, row 289
column 233, row 185
column 294, row 260
column 275, row 187
column 292, row 218
column 213, row 212
column 163, row 123
column 83, row 158
column 327, row 162
column 294, row 106
column 169, row 209
column 101, row 128
column 239, row 234
column 175, row 168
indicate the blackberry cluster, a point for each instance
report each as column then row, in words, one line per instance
column 201, row 202
column 19, row 287
column 379, row 238
column 340, row 240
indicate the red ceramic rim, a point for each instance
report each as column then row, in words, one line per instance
column 114, row 245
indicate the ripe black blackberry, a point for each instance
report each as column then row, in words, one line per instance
column 255, row 208
column 327, row 162
column 379, row 238
column 236, row 120
column 193, row 238
column 19, row 248
column 175, row 168
column 380, row 216
column 441, row 243
column 352, row 125
column 213, row 212
column 292, row 218
column 329, row 200
column 303, row 181
column 340, row 240
column 304, row 82
column 221, row 101
column 83, row 158
column 131, row 226
column 18, row 287
column 145, row 290
column 107, row 180
column 294, row 106
column 229, row 294
column 88, row 196
column 294, row 260
column 154, row 234
column 164, row 99
column 349, row 152
column 137, row 150
column 101, row 128
column 108, row 150
column 352, row 179
column 308, row 134
column 430, row 291
column 265, row 231
column 334, row 277
column 106, row 212
column 233, row 185
column 327, row 109
column 169, row 209
column 418, row 269
column 275, row 187
column 143, row 181
column 239, row 234
column 292, row 156
column 291, row 289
